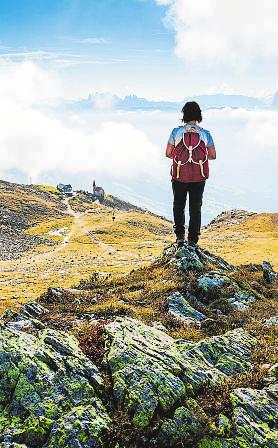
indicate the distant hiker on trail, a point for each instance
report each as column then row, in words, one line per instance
column 190, row 147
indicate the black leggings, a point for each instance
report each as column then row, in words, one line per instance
column 195, row 191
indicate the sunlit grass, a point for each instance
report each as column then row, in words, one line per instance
column 95, row 243
column 252, row 241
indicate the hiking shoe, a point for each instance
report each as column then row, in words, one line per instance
column 180, row 241
column 191, row 245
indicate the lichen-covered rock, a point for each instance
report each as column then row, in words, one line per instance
column 242, row 299
column 183, row 427
column 228, row 353
column 181, row 308
column 254, row 420
column 271, row 321
column 188, row 260
column 27, row 317
column 145, row 366
column 224, row 425
column 211, row 280
column 221, row 443
column 81, row 427
column 207, row 258
column 45, row 381
column 269, row 274
column 150, row 369
column 256, row 416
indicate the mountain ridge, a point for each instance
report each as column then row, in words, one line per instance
column 131, row 102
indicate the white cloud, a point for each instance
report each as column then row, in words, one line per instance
column 226, row 33
column 35, row 141
column 93, row 40
column 26, row 83
column 130, row 145
column 225, row 43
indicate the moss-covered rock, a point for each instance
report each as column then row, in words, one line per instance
column 188, row 260
column 186, row 424
column 83, row 427
column 151, row 370
column 256, row 416
column 46, row 385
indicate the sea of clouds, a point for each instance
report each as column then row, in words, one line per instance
column 124, row 150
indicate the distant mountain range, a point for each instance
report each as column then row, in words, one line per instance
column 133, row 102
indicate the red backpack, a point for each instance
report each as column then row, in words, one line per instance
column 190, row 158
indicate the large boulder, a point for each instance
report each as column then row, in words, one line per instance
column 151, row 370
column 50, row 392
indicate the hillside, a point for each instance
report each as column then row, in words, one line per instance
column 48, row 239
column 21, row 207
column 127, row 341
column 179, row 353
column 243, row 237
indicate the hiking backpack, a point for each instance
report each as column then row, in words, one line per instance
column 190, row 158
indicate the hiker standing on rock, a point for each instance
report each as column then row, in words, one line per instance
column 190, row 147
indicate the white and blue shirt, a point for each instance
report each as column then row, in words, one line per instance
column 177, row 133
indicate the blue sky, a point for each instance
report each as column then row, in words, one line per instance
column 160, row 49
column 52, row 23
column 95, row 45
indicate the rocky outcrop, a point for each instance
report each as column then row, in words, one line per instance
column 254, row 418
column 213, row 277
column 27, row 317
column 187, row 259
column 163, row 390
column 269, row 275
column 152, row 370
column 255, row 415
column 230, row 218
column 50, row 393
column 271, row 321
column 242, row 299
column 181, row 308
column 186, row 424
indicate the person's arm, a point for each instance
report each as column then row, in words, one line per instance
column 211, row 148
column 170, row 145
column 169, row 150
column 211, row 153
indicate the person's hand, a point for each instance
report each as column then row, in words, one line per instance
column 169, row 150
